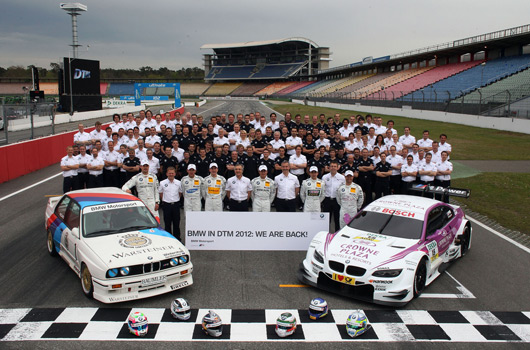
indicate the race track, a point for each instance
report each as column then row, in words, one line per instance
column 482, row 298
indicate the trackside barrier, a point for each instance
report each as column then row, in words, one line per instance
column 28, row 156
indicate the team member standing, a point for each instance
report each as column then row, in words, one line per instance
column 396, row 162
column 191, row 189
column 383, row 170
column 333, row 180
column 95, row 170
column 443, row 174
column 82, row 173
column 287, row 189
column 238, row 190
column 349, row 197
column 111, row 172
column 427, row 171
column 213, row 190
column 147, row 187
column 365, row 167
column 312, row 191
column 69, row 166
column 409, row 171
column 170, row 193
column 263, row 191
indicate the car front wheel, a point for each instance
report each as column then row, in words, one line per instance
column 420, row 277
column 86, row 282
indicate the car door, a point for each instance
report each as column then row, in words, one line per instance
column 433, row 234
column 70, row 235
column 448, row 230
column 57, row 226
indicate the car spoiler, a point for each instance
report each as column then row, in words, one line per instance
column 444, row 191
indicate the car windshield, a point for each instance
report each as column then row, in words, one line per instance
column 109, row 219
column 389, row 225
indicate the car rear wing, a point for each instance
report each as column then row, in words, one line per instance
column 444, row 191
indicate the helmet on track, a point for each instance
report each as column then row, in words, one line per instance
column 318, row 308
column 285, row 324
column 212, row 324
column 137, row 324
column 180, row 309
column 356, row 324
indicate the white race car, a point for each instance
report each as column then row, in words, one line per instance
column 390, row 251
column 115, row 245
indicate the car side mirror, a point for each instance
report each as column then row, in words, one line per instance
column 75, row 232
column 347, row 218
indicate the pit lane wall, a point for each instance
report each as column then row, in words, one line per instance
column 28, row 156
column 479, row 121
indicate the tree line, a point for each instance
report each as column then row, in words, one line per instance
column 146, row 72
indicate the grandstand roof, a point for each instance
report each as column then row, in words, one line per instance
column 257, row 43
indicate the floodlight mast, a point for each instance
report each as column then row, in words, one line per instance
column 74, row 10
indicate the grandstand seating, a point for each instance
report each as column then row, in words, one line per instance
column 12, row 88
column 221, row 89
column 421, row 80
column 517, row 85
column 371, row 79
column 274, row 87
column 193, row 89
column 103, row 88
column 471, row 79
column 230, row 72
column 121, row 89
column 391, row 80
column 277, row 71
column 292, row 88
column 260, row 71
column 249, row 89
column 307, row 89
column 344, row 83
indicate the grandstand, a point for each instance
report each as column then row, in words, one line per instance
column 221, row 89
column 284, row 59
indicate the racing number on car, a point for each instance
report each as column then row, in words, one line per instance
column 433, row 250
column 343, row 279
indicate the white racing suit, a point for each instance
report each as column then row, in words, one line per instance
column 350, row 199
column 263, row 193
column 147, row 188
column 312, row 194
column 213, row 191
column 191, row 191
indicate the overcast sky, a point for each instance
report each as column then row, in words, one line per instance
column 156, row 33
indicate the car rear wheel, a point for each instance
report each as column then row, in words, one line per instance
column 50, row 244
column 465, row 240
column 86, row 282
column 420, row 277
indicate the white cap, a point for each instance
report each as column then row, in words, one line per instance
column 213, row 165
column 348, row 172
column 313, row 168
column 262, row 167
column 192, row 166
column 144, row 162
column 162, row 111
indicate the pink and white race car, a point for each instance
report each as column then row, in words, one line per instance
column 390, row 251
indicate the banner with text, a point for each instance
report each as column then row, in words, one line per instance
column 206, row 230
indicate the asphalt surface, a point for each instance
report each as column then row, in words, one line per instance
column 494, row 271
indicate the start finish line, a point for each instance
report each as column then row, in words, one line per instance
column 206, row 230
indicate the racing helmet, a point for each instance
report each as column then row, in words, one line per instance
column 356, row 324
column 285, row 324
column 137, row 324
column 318, row 308
column 180, row 309
column 212, row 324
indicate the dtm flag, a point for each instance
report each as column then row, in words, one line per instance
column 206, row 230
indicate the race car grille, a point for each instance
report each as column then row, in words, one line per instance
column 336, row 266
column 148, row 268
column 364, row 292
column 355, row 271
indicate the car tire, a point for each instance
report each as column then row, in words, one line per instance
column 86, row 282
column 420, row 278
column 465, row 240
column 50, row 244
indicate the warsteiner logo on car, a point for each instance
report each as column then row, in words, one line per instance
column 134, row 240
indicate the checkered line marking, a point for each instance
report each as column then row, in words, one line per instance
column 258, row 325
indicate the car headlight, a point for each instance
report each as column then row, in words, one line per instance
column 318, row 257
column 183, row 259
column 174, row 262
column 387, row 273
column 124, row 271
column 113, row 272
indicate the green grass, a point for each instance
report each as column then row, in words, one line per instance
column 469, row 143
column 502, row 197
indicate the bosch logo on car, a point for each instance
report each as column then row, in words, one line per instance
column 81, row 74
